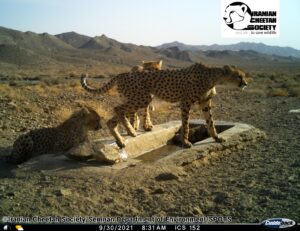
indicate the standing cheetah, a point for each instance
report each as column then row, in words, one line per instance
column 61, row 138
column 145, row 66
column 186, row 86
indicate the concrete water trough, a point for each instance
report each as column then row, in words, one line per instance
column 163, row 143
column 160, row 146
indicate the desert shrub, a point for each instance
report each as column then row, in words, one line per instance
column 52, row 81
column 62, row 113
column 289, row 83
column 295, row 91
column 257, row 91
column 281, row 92
column 12, row 83
column 72, row 75
column 74, row 83
column 31, row 78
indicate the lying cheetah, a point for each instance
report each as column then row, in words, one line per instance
column 186, row 86
column 61, row 138
column 145, row 66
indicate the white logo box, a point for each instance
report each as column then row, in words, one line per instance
column 261, row 26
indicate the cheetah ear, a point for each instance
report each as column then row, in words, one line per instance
column 227, row 69
column 90, row 109
column 160, row 62
column 84, row 111
column 233, row 66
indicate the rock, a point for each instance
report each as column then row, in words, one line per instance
column 220, row 197
column 197, row 211
column 166, row 176
column 141, row 191
column 47, row 178
column 10, row 194
column 108, row 200
column 294, row 111
column 27, row 109
column 2, row 188
column 63, row 192
column 95, row 150
column 158, row 191
column 12, row 105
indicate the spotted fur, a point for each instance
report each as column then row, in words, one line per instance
column 134, row 118
column 186, row 86
column 61, row 138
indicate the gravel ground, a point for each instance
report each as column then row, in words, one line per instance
column 251, row 184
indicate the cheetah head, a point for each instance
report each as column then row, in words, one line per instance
column 90, row 118
column 235, row 77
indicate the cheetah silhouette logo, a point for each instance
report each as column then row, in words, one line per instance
column 237, row 15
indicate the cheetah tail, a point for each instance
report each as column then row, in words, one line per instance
column 100, row 90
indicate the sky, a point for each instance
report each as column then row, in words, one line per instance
column 141, row 22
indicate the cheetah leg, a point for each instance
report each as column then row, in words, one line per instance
column 206, row 108
column 185, row 114
column 148, row 126
column 121, row 112
column 134, row 120
column 131, row 107
column 113, row 127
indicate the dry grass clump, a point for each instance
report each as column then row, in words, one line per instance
column 104, row 112
column 52, row 81
column 63, row 113
column 280, row 85
column 161, row 106
column 279, row 92
column 295, row 91
column 11, row 93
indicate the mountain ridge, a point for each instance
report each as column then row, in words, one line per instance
column 72, row 51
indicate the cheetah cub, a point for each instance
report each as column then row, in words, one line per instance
column 61, row 138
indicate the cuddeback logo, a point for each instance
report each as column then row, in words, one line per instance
column 240, row 19
column 279, row 223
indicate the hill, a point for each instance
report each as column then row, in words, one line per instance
column 28, row 53
column 258, row 47
column 74, row 39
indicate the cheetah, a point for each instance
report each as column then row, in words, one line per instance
column 148, row 66
column 145, row 66
column 61, row 138
column 187, row 86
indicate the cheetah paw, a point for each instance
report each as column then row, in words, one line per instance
column 121, row 143
column 187, row 144
column 148, row 127
column 220, row 139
